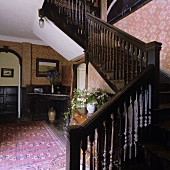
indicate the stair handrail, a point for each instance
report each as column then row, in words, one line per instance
column 131, row 55
column 144, row 59
column 77, row 135
column 74, row 13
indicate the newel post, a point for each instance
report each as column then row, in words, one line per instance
column 153, row 49
column 73, row 147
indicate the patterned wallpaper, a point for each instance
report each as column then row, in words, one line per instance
column 151, row 23
column 47, row 53
column 26, row 64
column 29, row 53
column 96, row 81
column 12, row 45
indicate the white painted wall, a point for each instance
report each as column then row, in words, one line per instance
column 9, row 60
column 81, row 76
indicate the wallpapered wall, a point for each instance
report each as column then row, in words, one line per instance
column 151, row 23
column 96, row 81
column 29, row 53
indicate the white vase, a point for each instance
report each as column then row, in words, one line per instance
column 52, row 88
column 90, row 108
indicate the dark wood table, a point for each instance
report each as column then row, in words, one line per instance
column 39, row 103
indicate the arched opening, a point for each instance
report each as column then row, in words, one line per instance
column 10, row 84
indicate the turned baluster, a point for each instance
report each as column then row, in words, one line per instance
column 112, row 143
column 84, row 149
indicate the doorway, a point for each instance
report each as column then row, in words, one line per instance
column 10, row 84
column 81, row 76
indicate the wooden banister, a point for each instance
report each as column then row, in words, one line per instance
column 114, row 141
column 109, row 137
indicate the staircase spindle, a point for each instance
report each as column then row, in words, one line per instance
column 100, row 133
column 127, row 132
column 116, row 58
column 105, row 147
column 124, row 59
column 136, row 124
column 127, row 64
column 112, row 53
column 133, row 98
column 112, row 143
column 84, row 149
column 121, row 129
column 91, row 139
column 149, row 104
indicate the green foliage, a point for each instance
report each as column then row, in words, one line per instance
column 82, row 97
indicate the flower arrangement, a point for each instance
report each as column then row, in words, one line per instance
column 53, row 77
column 79, row 98
column 82, row 97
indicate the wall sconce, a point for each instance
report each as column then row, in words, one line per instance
column 41, row 20
column 41, row 23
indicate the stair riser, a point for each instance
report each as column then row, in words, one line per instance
column 161, row 115
column 164, row 98
column 153, row 161
column 156, row 163
column 160, row 136
column 164, row 87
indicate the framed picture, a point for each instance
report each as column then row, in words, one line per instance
column 45, row 65
column 38, row 90
column 7, row 72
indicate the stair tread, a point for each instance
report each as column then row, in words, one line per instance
column 136, row 165
column 164, row 105
column 164, row 125
column 164, row 92
column 159, row 150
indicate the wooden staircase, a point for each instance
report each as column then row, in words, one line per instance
column 154, row 151
column 134, row 123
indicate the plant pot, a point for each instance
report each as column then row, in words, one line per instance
column 82, row 110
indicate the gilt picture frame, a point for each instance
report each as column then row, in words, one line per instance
column 7, row 72
column 45, row 65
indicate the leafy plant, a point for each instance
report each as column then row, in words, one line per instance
column 99, row 96
column 82, row 97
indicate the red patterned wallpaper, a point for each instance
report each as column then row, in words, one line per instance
column 96, row 81
column 151, row 23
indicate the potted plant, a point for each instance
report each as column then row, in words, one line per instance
column 78, row 102
column 95, row 99
column 101, row 97
column 85, row 98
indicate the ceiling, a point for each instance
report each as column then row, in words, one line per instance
column 19, row 22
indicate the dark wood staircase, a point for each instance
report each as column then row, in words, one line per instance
column 135, row 123
column 154, row 151
column 158, row 152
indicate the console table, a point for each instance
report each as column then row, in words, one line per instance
column 39, row 103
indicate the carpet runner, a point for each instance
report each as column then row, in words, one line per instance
column 30, row 146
